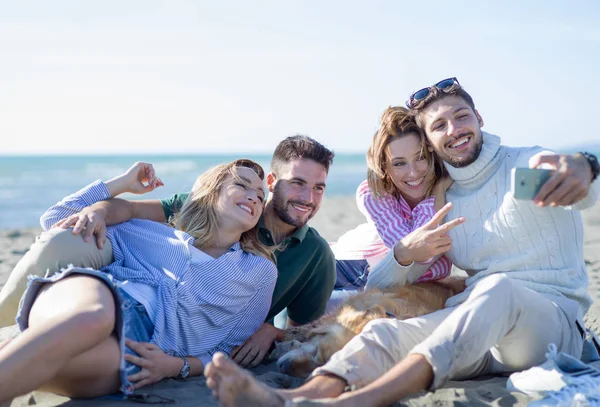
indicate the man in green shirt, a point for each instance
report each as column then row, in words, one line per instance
column 305, row 263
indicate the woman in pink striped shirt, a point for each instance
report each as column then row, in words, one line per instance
column 406, row 184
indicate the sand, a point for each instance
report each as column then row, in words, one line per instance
column 337, row 215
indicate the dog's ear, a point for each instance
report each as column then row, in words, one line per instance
column 376, row 311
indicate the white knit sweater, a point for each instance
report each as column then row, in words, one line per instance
column 541, row 247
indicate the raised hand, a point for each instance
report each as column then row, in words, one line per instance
column 429, row 240
column 570, row 182
column 140, row 178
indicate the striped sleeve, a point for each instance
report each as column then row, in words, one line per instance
column 254, row 315
column 423, row 212
column 74, row 203
column 392, row 217
column 441, row 268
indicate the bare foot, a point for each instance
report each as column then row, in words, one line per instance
column 234, row 387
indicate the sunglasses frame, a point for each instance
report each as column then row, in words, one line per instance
column 412, row 100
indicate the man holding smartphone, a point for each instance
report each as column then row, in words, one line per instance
column 527, row 285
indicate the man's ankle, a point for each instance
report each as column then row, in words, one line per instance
column 328, row 385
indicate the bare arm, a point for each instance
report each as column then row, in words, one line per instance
column 118, row 210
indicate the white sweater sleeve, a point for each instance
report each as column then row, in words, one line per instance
column 389, row 273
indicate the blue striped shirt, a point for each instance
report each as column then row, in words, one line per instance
column 201, row 308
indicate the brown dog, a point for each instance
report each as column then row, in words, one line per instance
column 308, row 346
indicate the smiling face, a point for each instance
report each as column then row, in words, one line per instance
column 454, row 130
column 241, row 200
column 408, row 169
column 297, row 191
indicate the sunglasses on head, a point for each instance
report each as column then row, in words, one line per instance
column 244, row 162
column 443, row 85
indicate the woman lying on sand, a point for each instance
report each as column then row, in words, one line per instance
column 177, row 294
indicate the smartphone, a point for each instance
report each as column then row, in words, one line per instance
column 526, row 182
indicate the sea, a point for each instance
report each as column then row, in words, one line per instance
column 31, row 184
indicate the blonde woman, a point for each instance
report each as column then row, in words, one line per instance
column 405, row 186
column 172, row 297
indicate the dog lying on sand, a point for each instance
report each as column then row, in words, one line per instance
column 306, row 347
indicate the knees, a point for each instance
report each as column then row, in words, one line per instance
column 81, row 304
column 383, row 326
column 91, row 321
column 500, row 290
column 58, row 243
column 495, row 283
column 95, row 320
column 57, row 248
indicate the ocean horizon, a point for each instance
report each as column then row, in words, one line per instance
column 30, row 184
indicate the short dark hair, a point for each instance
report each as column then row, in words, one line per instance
column 436, row 94
column 298, row 147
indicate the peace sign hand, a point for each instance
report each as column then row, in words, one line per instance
column 429, row 240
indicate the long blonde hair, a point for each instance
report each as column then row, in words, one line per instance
column 199, row 217
column 397, row 122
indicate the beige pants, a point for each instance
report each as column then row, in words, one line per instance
column 52, row 250
column 501, row 327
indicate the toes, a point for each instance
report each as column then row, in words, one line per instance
column 212, row 383
column 210, row 369
column 225, row 365
column 219, row 357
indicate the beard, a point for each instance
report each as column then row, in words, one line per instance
column 280, row 207
column 461, row 162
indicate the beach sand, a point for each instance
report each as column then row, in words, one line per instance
column 337, row 215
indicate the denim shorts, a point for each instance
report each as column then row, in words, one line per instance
column 131, row 319
column 351, row 274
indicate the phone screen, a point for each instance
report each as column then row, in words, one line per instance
column 527, row 182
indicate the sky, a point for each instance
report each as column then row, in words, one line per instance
column 120, row 77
